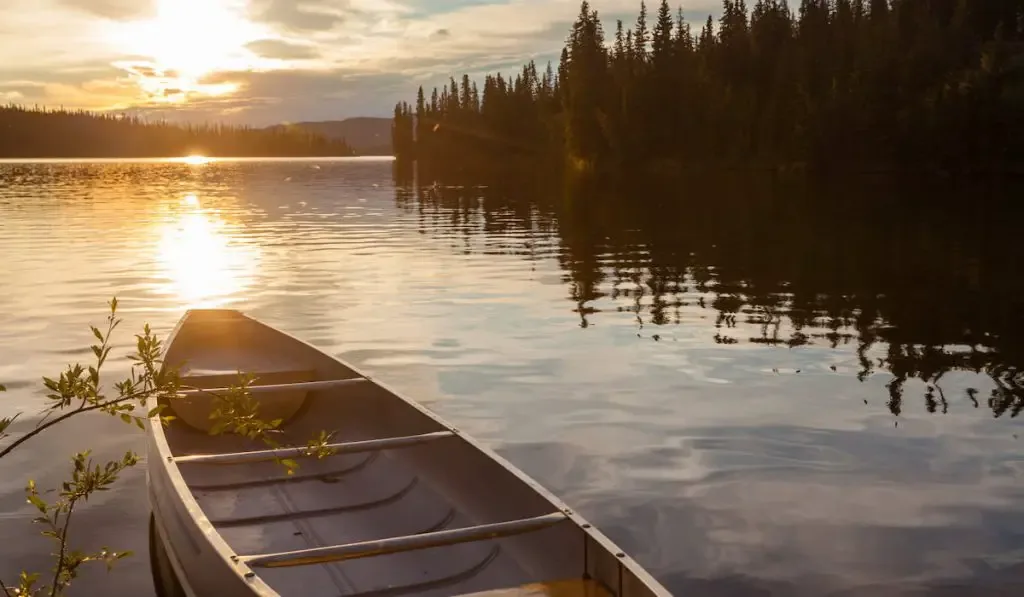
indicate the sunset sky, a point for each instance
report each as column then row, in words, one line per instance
column 267, row 61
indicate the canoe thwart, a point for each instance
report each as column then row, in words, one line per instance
column 341, row 448
column 280, row 387
column 364, row 549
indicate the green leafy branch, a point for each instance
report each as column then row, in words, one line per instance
column 150, row 386
column 236, row 411
column 75, row 391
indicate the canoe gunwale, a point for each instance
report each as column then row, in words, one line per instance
column 160, row 534
column 391, row 545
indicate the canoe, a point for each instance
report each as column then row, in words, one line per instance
column 405, row 504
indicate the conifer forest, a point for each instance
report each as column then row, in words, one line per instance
column 826, row 85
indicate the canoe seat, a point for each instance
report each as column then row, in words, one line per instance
column 277, row 401
column 562, row 588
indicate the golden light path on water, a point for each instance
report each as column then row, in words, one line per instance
column 205, row 261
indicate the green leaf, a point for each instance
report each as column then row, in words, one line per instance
column 96, row 332
column 139, row 424
column 3, row 388
column 155, row 411
column 6, row 422
column 38, row 502
column 126, row 417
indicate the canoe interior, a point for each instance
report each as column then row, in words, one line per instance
column 346, row 498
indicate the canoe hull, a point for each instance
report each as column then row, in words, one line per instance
column 213, row 517
column 191, row 546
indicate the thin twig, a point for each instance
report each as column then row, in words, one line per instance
column 65, row 417
column 63, row 547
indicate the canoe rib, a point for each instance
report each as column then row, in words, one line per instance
column 458, row 577
column 303, row 514
column 341, row 448
column 332, row 476
column 280, row 387
column 364, row 549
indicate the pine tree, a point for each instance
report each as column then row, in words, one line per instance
column 641, row 36
column 662, row 39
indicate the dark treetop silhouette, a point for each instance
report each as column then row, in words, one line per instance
column 836, row 84
column 41, row 133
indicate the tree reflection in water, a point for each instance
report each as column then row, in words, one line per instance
column 924, row 276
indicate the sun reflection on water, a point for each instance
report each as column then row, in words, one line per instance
column 194, row 160
column 205, row 261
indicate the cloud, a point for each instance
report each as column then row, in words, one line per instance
column 167, row 85
column 145, row 69
column 282, row 50
column 85, row 92
column 93, row 95
column 296, row 15
column 270, row 97
column 121, row 10
column 441, row 34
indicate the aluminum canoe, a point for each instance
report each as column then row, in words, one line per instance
column 406, row 504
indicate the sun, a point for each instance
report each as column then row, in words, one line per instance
column 184, row 43
column 193, row 38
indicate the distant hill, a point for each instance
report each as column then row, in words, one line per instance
column 365, row 135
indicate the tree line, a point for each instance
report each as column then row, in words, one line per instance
column 57, row 133
column 834, row 84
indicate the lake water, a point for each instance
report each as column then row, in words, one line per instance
column 751, row 397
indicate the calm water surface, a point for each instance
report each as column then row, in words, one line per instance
column 752, row 413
